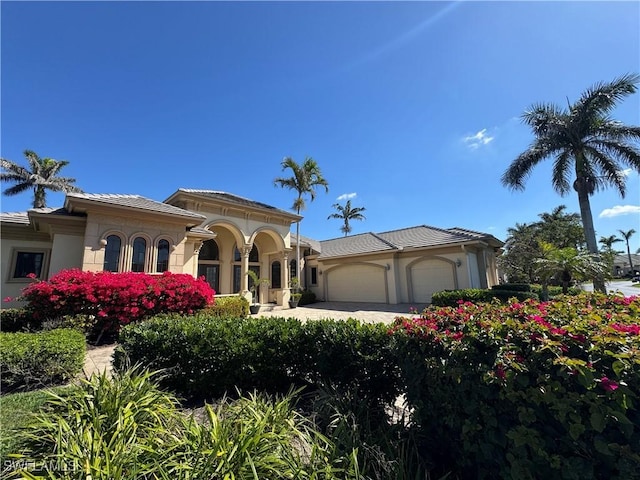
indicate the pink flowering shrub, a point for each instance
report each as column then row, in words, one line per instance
column 527, row 389
column 116, row 299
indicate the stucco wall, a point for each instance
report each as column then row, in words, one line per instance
column 99, row 226
column 13, row 288
column 66, row 253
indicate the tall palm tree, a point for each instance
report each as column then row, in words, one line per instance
column 305, row 179
column 42, row 175
column 347, row 213
column 627, row 235
column 583, row 141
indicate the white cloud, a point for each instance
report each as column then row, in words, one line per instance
column 626, row 172
column 479, row 139
column 346, row 196
column 619, row 210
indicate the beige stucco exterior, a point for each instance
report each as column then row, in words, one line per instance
column 222, row 236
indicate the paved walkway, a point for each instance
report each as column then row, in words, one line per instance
column 98, row 359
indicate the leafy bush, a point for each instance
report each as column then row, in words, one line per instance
column 555, row 290
column 115, row 299
column 527, row 389
column 16, row 320
column 514, row 287
column 228, row 307
column 208, row 357
column 451, row 298
column 307, row 298
column 35, row 360
column 129, row 428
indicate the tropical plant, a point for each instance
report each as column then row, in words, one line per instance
column 565, row 264
column 347, row 213
column 608, row 253
column 627, row 235
column 305, row 179
column 582, row 138
column 255, row 284
column 522, row 247
column 42, row 175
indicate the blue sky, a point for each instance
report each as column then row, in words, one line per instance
column 410, row 108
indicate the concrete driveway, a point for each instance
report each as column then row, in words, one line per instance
column 626, row 287
column 365, row 312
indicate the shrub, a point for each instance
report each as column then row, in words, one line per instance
column 16, row 320
column 451, row 298
column 34, row 360
column 307, row 298
column 115, row 299
column 129, row 428
column 208, row 357
column 513, row 287
column 527, row 389
column 237, row 307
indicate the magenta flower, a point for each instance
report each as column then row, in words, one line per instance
column 608, row 385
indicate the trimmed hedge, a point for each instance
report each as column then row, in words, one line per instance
column 228, row 307
column 35, row 360
column 528, row 389
column 209, row 357
column 451, row 298
column 307, row 298
column 514, row 287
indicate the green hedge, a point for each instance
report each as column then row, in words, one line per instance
column 35, row 360
column 228, row 307
column 211, row 356
column 451, row 298
column 514, row 287
column 307, row 298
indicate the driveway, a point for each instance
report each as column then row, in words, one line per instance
column 626, row 287
column 365, row 312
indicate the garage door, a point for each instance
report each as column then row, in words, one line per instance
column 431, row 276
column 357, row 283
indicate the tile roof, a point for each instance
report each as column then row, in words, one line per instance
column 420, row 236
column 354, row 245
column 231, row 198
column 21, row 218
column 135, row 201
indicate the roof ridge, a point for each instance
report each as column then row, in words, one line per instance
column 397, row 247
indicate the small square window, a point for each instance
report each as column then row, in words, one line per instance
column 27, row 264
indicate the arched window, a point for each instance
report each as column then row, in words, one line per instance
column 139, row 254
column 163, row 256
column 209, row 264
column 112, row 254
column 276, row 275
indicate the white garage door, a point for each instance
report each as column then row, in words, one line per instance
column 431, row 276
column 356, row 283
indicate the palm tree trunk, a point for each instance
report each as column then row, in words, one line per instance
column 298, row 252
column 590, row 233
column 630, row 260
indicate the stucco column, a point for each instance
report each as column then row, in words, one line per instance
column 246, row 250
column 284, row 272
column 197, row 246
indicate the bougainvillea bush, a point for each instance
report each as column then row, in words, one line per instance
column 528, row 389
column 116, row 299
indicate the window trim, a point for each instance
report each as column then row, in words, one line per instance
column 156, row 254
column 44, row 271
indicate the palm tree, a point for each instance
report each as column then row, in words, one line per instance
column 565, row 264
column 608, row 253
column 582, row 138
column 627, row 235
column 347, row 213
column 42, row 176
column 305, row 179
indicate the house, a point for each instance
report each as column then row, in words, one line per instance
column 220, row 236
column 622, row 267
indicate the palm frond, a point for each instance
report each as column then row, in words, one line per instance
column 560, row 178
column 520, row 169
column 16, row 189
column 602, row 97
